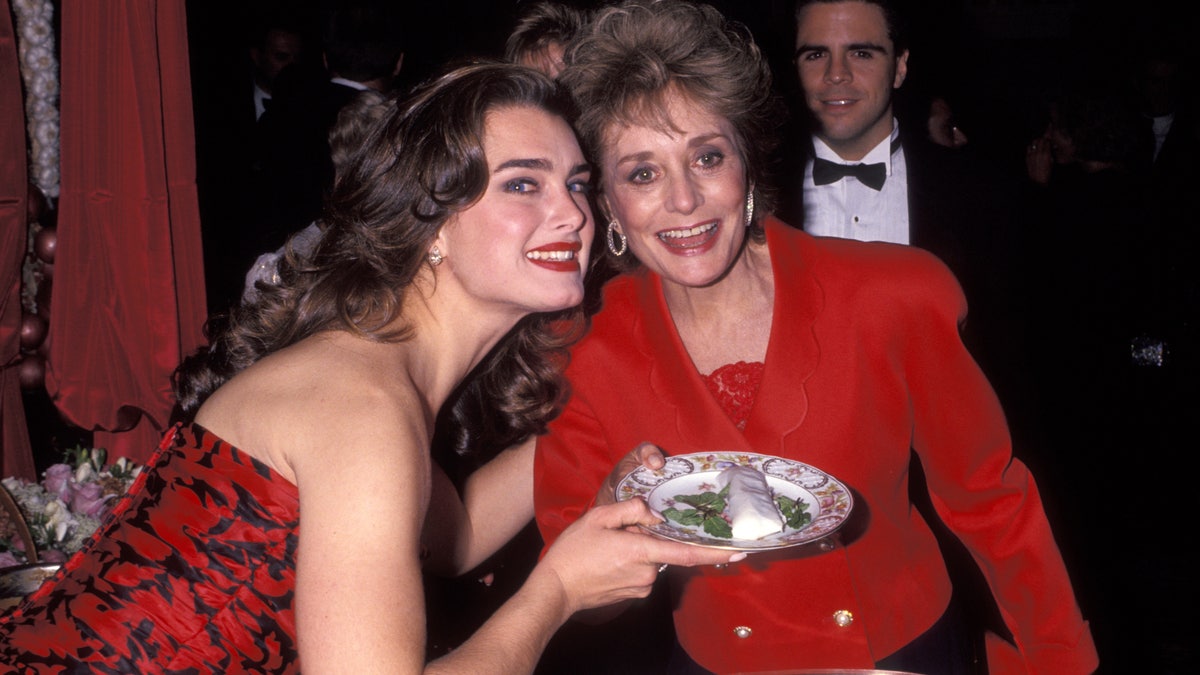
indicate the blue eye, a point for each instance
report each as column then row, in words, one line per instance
column 520, row 185
column 580, row 186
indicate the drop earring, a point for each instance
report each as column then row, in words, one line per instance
column 617, row 242
column 750, row 207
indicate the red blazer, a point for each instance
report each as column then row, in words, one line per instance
column 864, row 362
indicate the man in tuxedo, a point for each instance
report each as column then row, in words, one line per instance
column 362, row 51
column 869, row 177
column 239, row 55
column 279, row 48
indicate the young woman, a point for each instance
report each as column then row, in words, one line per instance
column 289, row 523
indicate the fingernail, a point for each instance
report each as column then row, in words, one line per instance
column 658, row 515
column 737, row 557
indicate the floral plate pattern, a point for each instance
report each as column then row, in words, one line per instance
column 828, row 500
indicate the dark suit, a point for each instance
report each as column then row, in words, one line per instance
column 297, row 169
column 228, row 168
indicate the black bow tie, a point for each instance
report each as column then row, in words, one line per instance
column 871, row 175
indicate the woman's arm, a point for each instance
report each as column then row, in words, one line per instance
column 983, row 493
column 364, row 485
column 461, row 535
column 359, row 593
column 595, row 562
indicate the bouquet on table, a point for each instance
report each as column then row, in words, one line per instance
column 64, row 509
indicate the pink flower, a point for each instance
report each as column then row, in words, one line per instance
column 58, row 480
column 8, row 560
column 89, row 500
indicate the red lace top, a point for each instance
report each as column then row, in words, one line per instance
column 734, row 385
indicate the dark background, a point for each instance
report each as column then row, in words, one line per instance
column 1001, row 61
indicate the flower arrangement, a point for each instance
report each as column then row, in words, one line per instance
column 64, row 509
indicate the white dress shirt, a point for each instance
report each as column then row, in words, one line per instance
column 260, row 99
column 349, row 83
column 848, row 209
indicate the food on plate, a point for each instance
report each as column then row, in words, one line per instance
column 752, row 511
column 743, row 507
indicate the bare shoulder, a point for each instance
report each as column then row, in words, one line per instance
column 332, row 399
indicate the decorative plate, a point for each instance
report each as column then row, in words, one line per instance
column 828, row 500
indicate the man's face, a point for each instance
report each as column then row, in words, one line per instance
column 848, row 68
column 279, row 50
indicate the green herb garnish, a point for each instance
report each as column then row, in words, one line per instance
column 708, row 507
column 795, row 512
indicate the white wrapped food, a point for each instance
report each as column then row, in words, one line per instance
column 751, row 508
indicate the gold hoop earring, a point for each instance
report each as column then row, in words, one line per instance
column 435, row 257
column 617, row 242
column 750, row 207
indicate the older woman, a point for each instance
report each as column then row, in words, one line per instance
column 733, row 331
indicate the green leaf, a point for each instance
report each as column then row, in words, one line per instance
column 690, row 517
column 795, row 511
column 718, row 527
column 704, row 499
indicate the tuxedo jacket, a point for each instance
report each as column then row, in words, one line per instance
column 864, row 362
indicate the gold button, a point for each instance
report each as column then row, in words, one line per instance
column 743, row 632
column 843, row 618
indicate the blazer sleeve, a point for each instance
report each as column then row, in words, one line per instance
column 987, row 497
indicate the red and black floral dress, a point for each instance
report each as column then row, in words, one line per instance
column 193, row 572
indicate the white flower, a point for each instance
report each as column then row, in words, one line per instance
column 84, row 472
column 58, row 519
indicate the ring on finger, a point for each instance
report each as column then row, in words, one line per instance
column 662, row 567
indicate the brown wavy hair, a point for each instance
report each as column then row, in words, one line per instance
column 631, row 56
column 419, row 165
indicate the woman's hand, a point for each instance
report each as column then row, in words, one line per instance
column 646, row 454
column 598, row 562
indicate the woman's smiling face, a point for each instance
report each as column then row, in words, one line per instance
column 525, row 243
column 678, row 193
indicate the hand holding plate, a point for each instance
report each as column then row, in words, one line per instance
column 646, row 455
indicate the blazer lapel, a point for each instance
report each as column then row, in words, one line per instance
column 677, row 386
column 781, row 403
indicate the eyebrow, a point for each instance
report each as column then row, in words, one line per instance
column 852, row 47
column 701, row 140
column 539, row 165
column 698, row 140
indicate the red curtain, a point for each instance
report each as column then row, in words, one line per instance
column 128, row 296
column 16, row 459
